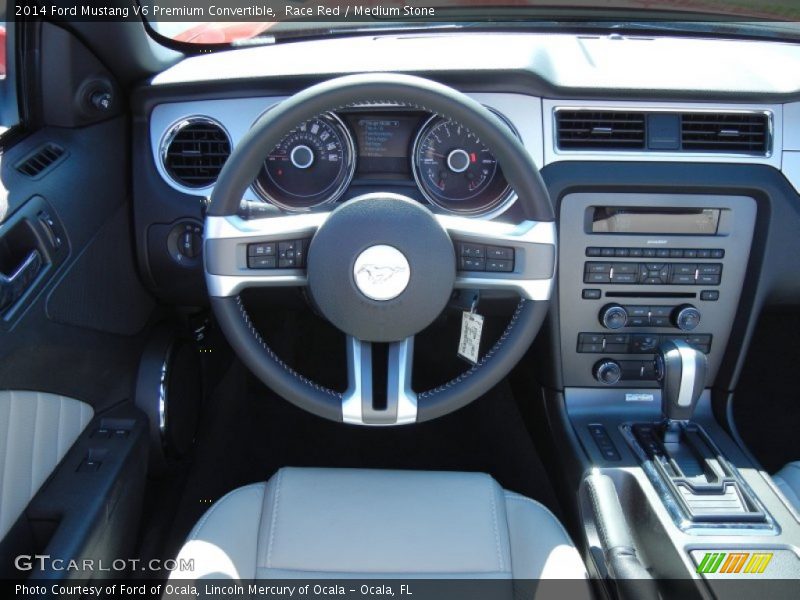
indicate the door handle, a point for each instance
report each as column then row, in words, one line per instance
column 13, row 286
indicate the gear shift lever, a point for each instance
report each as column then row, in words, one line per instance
column 681, row 370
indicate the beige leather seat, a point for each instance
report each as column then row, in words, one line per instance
column 788, row 481
column 36, row 430
column 334, row 523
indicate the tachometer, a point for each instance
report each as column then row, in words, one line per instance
column 456, row 171
column 312, row 165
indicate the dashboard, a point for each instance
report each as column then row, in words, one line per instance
column 670, row 198
column 341, row 154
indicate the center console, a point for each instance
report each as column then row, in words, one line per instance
column 639, row 269
column 649, row 287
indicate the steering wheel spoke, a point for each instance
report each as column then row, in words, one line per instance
column 362, row 403
column 519, row 257
column 263, row 252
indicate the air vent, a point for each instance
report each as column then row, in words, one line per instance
column 593, row 130
column 732, row 133
column 194, row 152
column 42, row 159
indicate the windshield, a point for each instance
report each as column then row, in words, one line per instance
column 225, row 23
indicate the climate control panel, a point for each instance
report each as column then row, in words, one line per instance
column 684, row 317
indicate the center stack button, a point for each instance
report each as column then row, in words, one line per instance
column 613, row 316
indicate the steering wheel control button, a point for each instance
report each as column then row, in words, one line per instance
column 472, row 251
column 381, row 272
column 477, row 257
column 499, row 266
column 289, row 254
column 472, row 264
column 265, row 249
column 381, row 268
column 262, row 262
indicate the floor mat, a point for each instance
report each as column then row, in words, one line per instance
column 766, row 406
column 249, row 433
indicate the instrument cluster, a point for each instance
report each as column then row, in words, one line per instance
column 316, row 162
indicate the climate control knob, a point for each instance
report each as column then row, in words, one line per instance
column 607, row 372
column 613, row 316
column 686, row 317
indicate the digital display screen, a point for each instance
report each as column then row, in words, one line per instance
column 384, row 142
column 645, row 220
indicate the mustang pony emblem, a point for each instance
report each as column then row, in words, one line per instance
column 381, row 272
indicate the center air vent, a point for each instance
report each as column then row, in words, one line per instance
column 593, row 130
column 745, row 133
column 194, row 152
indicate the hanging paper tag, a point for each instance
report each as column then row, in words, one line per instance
column 470, row 343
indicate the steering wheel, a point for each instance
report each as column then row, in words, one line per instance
column 380, row 267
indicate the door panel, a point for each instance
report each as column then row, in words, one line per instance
column 78, row 328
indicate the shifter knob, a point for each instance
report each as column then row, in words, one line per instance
column 682, row 372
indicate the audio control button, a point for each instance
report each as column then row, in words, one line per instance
column 686, row 317
column 708, row 279
column 711, row 269
column 597, row 267
column 613, row 316
column 638, row 311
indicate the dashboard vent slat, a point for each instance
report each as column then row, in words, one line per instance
column 590, row 129
column 194, row 152
column 43, row 158
column 725, row 132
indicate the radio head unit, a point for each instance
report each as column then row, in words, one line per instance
column 636, row 269
column 668, row 220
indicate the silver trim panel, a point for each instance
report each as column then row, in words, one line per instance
column 359, row 378
column 401, row 363
column 237, row 115
column 533, row 242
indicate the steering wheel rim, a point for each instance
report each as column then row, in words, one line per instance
column 226, row 236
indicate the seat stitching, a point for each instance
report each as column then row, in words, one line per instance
column 544, row 508
column 274, row 521
column 217, row 504
column 500, row 563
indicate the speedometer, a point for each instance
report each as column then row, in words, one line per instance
column 456, row 171
column 313, row 164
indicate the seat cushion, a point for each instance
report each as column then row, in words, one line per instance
column 369, row 523
column 788, row 481
column 36, row 430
